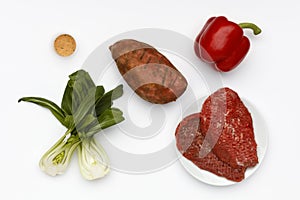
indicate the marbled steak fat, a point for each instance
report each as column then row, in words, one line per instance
column 149, row 73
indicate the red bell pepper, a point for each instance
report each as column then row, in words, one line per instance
column 222, row 43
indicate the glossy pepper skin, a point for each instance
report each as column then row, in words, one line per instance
column 222, row 43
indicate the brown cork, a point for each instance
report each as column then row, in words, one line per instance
column 65, row 45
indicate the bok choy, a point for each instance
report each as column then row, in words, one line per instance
column 85, row 110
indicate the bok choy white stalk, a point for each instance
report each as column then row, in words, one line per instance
column 93, row 160
column 56, row 160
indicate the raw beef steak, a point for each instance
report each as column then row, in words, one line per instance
column 189, row 142
column 227, row 126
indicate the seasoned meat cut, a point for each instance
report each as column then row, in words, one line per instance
column 190, row 142
column 227, row 125
column 219, row 139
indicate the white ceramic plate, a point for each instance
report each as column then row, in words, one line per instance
column 261, row 138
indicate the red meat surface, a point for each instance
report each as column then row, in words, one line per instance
column 227, row 126
column 189, row 142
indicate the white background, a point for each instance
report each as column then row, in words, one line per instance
column 268, row 77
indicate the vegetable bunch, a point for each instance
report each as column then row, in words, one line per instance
column 85, row 110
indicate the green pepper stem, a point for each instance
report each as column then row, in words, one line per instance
column 256, row 29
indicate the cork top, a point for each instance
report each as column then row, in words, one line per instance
column 65, row 45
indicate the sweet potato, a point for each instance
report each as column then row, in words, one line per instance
column 149, row 73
